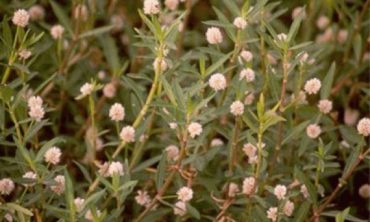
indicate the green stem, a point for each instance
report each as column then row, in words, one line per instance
column 12, row 58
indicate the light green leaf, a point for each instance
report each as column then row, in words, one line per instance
column 327, row 82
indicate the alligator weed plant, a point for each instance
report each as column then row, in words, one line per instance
column 184, row 110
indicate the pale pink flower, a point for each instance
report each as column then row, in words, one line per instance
column 303, row 58
column 79, row 203
column 325, row 106
column 142, row 198
column 81, row 12
column 240, row 23
column 151, row 7
column 21, row 18
column 351, row 116
column 249, row 99
column 185, row 194
column 34, row 101
column 249, row 185
column 173, row 125
column 37, row 113
column 217, row 142
column 162, row 62
column 8, row 217
column 253, row 159
column 327, row 36
column 53, row 155
column 36, row 12
column 102, row 74
column 115, row 168
column 127, row 134
column 6, row 186
column 103, row 169
column 31, row 176
column 364, row 191
column 90, row 216
column 313, row 131
column 24, row 54
column 272, row 213
column 57, row 31
column 322, row 22
column 363, row 126
column 288, row 208
column 304, row 191
column 214, row 35
column 246, row 55
column 180, row 208
column 280, row 191
column 86, row 89
column 117, row 112
column 59, row 187
column 282, row 37
column 248, row 74
column 249, row 149
column 342, row 36
column 117, row 22
column 172, row 152
column 217, row 82
column 195, row 129
column 237, row 108
column 109, row 90
column 171, row 4
column 233, row 189
column 298, row 11
column 312, row 86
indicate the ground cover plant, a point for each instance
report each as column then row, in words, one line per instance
column 184, row 110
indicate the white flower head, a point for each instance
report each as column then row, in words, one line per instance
column 86, row 89
column 214, row 35
column 364, row 191
column 57, row 31
column 246, row 55
column 34, row 101
column 288, row 208
column 342, row 36
column 248, row 74
column 325, row 106
column 240, row 23
column 272, row 213
column 59, row 187
column 117, row 112
column 37, row 113
column 79, row 203
column 280, row 191
column 304, row 191
column 322, row 22
column 30, row 176
column 282, row 37
column 6, row 186
column 363, row 126
column 151, row 7
column 217, row 82
column 162, row 62
column 180, row 208
column 313, row 131
column 142, row 198
column 249, row 99
column 249, row 185
column 53, row 155
column 237, row 108
column 127, row 134
column 171, row 4
column 24, row 54
column 81, row 12
column 185, row 194
column 250, row 150
column 89, row 215
column 194, row 129
column 233, row 189
column 312, row 86
column 36, row 12
column 109, row 90
column 172, row 152
column 115, row 168
column 21, row 18
column 217, row 142
column 351, row 116
column 173, row 125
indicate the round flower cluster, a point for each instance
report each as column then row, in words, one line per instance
column 127, row 134
column 57, row 31
column 117, row 112
column 185, row 194
column 151, row 7
column 248, row 74
column 312, row 86
column 195, row 129
column 237, row 108
column 217, row 82
column 53, row 155
column 249, row 185
column 21, row 18
column 214, row 35
column 313, row 131
column 36, row 112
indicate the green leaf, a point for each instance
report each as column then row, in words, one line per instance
column 193, row 211
column 341, row 216
column 6, row 93
column 96, row 32
column 69, row 196
column 302, row 212
column 232, row 7
column 295, row 26
column 62, row 17
column 327, row 82
column 110, row 53
column 217, row 64
column 161, row 171
column 304, row 179
column 296, row 131
column 34, row 129
column 357, row 47
column 352, row 159
column 169, row 91
column 18, row 208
